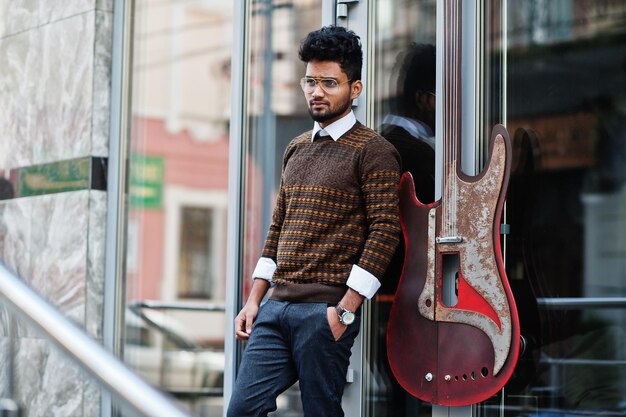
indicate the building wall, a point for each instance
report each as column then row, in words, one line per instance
column 54, row 96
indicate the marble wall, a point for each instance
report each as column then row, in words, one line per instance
column 54, row 96
column 54, row 87
column 56, row 243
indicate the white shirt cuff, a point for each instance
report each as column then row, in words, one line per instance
column 265, row 268
column 363, row 282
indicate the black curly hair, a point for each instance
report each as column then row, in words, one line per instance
column 336, row 44
column 419, row 71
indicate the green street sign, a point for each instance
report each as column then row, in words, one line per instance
column 146, row 181
column 55, row 177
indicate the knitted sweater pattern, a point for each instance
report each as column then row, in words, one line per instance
column 337, row 207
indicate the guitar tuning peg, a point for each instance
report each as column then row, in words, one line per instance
column 429, row 377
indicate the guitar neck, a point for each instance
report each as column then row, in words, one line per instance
column 451, row 112
column 452, row 80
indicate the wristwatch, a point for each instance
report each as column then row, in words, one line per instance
column 346, row 317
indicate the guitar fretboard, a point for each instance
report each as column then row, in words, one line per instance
column 451, row 114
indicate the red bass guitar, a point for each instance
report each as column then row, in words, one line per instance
column 457, row 343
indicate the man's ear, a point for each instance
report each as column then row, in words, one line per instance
column 425, row 101
column 356, row 89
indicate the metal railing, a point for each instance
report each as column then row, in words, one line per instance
column 138, row 307
column 567, row 303
column 177, row 306
column 91, row 356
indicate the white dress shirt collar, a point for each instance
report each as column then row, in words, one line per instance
column 416, row 128
column 335, row 129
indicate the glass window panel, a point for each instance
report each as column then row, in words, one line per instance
column 276, row 113
column 176, row 259
column 195, row 270
column 565, row 111
column 276, row 110
column 403, row 92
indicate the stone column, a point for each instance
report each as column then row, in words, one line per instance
column 55, row 60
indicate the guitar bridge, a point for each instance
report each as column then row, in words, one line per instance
column 449, row 239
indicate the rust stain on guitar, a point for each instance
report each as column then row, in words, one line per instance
column 477, row 204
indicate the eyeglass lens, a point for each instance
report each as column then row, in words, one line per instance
column 327, row 84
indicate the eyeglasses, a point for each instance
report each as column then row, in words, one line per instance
column 329, row 85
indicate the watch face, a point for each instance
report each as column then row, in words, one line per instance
column 347, row 318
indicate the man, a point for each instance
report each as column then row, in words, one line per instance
column 334, row 228
column 410, row 126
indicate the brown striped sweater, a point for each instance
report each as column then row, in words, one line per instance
column 337, row 207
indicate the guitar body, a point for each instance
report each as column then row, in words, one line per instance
column 462, row 353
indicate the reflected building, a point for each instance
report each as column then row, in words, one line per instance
column 196, row 142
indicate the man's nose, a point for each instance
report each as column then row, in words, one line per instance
column 318, row 91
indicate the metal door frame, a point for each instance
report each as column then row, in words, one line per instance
column 358, row 20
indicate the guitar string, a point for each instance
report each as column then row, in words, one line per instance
column 451, row 93
column 446, row 132
column 457, row 96
column 452, row 131
column 451, row 115
column 445, row 129
column 451, row 137
column 449, row 156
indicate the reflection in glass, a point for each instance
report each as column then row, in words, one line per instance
column 194, row 266
column 566, row 254
column 403, row 88
column 178, row 197
column 276, row 112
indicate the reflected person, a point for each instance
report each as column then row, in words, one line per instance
column 410, row 125
column 410, row 128
column 6, row 189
